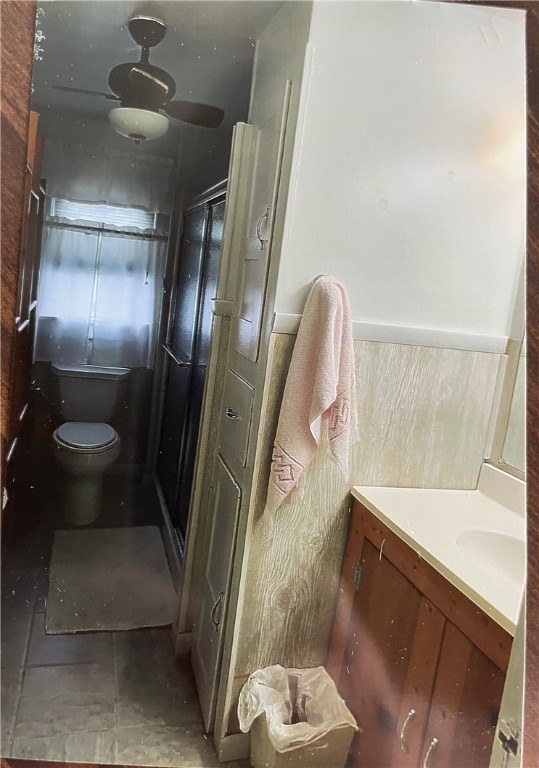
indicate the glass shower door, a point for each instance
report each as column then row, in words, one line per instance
column 187, row 356
column 179, row 359
column 208, row 290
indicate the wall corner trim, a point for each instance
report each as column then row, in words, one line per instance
column 284, row 322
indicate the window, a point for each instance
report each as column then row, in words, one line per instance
column 109, row 215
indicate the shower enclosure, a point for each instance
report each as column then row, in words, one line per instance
column 187, row 349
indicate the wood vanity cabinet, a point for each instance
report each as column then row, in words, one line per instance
column 420, row 666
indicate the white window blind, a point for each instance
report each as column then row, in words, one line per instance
column 108, row 215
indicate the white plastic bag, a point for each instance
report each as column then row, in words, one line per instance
column 300, row 705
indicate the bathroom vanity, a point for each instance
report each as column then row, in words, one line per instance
column 428, row 602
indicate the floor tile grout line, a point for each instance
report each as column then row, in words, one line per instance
column 67, row 663
column 63, row 733
column 22, row 676
column 116, row 696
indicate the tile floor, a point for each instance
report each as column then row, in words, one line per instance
column 106, row 697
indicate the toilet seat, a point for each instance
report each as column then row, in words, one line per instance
column 86, row 436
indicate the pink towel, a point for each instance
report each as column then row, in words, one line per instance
column 320, row 388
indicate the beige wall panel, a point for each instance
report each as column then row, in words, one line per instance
column 294, row 560
column 423, row 419
column 294, row 564
column 423, row 415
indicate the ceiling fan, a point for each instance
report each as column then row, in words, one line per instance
column 144, row 91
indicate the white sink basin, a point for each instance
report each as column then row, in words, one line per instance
column 474, row 538
column 497, row 552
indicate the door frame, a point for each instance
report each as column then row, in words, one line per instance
column 174, row 547
column 237, row 191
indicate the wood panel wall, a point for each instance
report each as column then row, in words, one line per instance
column 424, row 416
column 17, row 39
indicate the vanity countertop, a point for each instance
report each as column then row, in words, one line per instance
column 475, row 539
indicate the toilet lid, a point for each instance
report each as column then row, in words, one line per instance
column 85, row 434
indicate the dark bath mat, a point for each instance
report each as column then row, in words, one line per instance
column 109, row 579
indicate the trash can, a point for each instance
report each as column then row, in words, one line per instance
column 296, row 718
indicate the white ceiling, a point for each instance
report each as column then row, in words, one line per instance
column 208, row 49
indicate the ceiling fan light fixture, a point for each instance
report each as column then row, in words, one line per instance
column 138, row 124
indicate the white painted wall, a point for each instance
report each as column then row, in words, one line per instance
column 409, row 167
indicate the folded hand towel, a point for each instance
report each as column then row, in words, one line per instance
column 320, row 388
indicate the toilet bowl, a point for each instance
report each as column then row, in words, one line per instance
column 86, row 445
column 85, row 450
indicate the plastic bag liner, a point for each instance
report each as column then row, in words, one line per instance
column 301, row 705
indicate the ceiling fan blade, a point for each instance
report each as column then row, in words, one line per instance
column 139, row 78
column 136, row 81
column 85, row 92
column 196, row 114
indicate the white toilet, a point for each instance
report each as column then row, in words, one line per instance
column 86, row 445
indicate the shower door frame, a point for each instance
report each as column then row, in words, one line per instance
column 174, row 542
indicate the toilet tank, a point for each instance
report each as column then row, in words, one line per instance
column 89, row 392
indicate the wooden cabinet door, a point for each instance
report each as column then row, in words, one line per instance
column 256, row 246
column 465, row 705
column 423, row 693
column 389, row 663
column 208, row 632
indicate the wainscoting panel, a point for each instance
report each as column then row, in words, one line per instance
column 423, row 415
column 423, row 420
